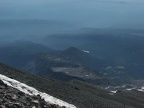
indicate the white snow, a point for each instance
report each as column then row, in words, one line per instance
column 86, row 51
column 142, row 89
column 114, row 91
column 124, row 86
column 32, row 91
column 107, row 87
column 129, row 89
column 87, row 75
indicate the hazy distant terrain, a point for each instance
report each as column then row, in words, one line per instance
column 73, row 63
column 31, row 29
column 119, row 47
column 121, row 50
column 74, row 43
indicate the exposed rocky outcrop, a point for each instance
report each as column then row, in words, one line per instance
column 13, row 98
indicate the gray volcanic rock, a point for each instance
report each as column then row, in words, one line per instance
column 13, row 98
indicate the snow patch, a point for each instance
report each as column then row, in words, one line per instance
column 32, row 91
column 129, row 89
column 114, row 91
column 87, row 75
column 107, row 87
column 86, row 51
column 142, row 89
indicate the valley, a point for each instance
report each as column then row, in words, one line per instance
column 111, row 68
column 71, row 54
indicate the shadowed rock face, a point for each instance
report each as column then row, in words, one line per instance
column 13, row 98
column 2, row 84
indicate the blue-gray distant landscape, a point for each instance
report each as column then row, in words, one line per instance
column 89, row 53
column 111, row 30
column 31, row 19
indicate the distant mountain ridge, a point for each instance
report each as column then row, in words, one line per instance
column 39, row 59
column 116, row 47
column 84, row 58
column 66, row 65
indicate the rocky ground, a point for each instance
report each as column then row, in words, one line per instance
column 13, row 98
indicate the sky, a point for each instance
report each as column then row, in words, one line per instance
column 87, row 13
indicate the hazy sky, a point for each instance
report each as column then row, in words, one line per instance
column 89, row 13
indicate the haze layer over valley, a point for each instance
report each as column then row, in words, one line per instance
column 76, row 48
column 34, row 19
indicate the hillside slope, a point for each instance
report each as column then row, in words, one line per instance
column 76, row 92
column 13, row 98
